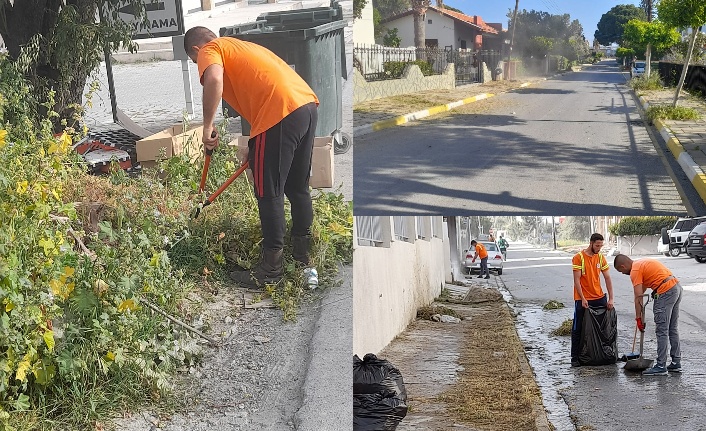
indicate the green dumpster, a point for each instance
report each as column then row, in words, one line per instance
column 312, row 42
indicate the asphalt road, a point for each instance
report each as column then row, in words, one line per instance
column 608, row 398
column 574, row 145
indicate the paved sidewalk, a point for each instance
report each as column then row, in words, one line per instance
column 685, row 139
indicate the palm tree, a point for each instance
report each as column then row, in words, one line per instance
column 440, row 4
column 420, row 8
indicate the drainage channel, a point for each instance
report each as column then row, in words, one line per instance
column 546, row 354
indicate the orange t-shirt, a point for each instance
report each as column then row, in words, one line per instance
column 482, row 252
column 651, row 273
column 256, row 82
column 590, row 274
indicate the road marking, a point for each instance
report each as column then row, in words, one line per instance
column 512, row 268
column 530, row 259
column 698, row 287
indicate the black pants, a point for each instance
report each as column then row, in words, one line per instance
column 280, row 160
column 578, row 323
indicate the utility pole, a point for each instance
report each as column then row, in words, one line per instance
column 554, row 232
column 512, row 37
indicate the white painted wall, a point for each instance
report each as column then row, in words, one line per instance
column 364, row 27
column 190, row 6
column 405, row 30
column 390, row 284
column 441, row 28
column 643, row 245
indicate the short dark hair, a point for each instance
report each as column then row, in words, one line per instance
column 619, row 260
column 474, row 242
column 197, row 36
column 596, row 237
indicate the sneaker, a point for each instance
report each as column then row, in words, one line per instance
column 655, row 371
column 575, row 363
column 480, row 276
column 674, row 367
column 487, row 277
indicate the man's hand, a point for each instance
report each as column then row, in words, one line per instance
column 640, row 324
column 473, row 261
column 210, row 137
column 610, row 304
column 584, row 303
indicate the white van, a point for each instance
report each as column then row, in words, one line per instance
column 674, row 239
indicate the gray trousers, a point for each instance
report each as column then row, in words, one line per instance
column 484, row 267
column 666, row 311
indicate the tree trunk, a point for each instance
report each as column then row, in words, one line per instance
column 419, row 29
column 648, row 60
column 692, row 42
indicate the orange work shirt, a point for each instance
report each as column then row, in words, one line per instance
column 482, row 252
column 651, row 273
column 590, row 280
column 256, row 82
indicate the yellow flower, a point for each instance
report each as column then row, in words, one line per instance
column 22, row 187
column 3, row 135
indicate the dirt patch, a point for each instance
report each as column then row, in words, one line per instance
column 565, row 328
column 495, row 391
column 553, row 305
column 428, row 311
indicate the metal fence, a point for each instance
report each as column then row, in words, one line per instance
column 369, row 230
column 378, row 63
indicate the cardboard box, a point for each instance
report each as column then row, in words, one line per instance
column 174, row 141
column 322, row 162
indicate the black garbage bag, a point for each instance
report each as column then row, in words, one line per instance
column 379, row 395
column 599, row 337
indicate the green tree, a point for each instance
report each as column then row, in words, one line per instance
column 389, row 8
column 539, row 46
column 391, row 38
column 641, row 35
column 610, row 26
column 576, row 228
column 537, row 24
column 68, row 44
column 358, row 6
column 683, row 14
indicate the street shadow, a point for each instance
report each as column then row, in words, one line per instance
column 462, row 146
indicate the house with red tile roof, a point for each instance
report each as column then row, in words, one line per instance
column 446, row 28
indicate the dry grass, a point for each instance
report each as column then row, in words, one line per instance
column 565, row 328
column 495, row 391
column 553, row 305
column 427, row 311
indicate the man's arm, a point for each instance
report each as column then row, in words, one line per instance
column 577, row 287
column 212, row 94
column 609, row 287
column 638, row 301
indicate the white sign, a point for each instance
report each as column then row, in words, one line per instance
column 164, row 18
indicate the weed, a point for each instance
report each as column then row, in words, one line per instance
column 644, row 82
column 668, row 112
column 564, row 329
column 429, row 310
column 553, row 305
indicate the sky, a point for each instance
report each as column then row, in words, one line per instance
column 587, row 12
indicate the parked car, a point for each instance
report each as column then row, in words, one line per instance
column 673, row 241
column 638, row 69
column 696, row 244
column 495, row 259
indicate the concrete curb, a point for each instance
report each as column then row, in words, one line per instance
column 402, row 119
column 693, row 171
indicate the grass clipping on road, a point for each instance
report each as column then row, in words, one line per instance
column 496, row 390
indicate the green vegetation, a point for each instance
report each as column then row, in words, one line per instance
column 641, row 225
column 553, row 305
column 665, row 112
column 84, row 259
column 645, row 82
column 394, row 69
column 611, row 25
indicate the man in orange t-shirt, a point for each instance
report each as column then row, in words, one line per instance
column 666, row 291
column 282, row 111
column 483, row 254
column 587, row 266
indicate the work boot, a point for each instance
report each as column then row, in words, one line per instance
column 300, row 249
column 480, row 276
column 268, row 271
column 674, row 367
column 657, row 370
column 487, row 277
column 575, row 363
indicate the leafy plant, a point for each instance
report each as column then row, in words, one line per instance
column 679, row 113
column 644, row 82
column 641, row 225
column 394, row 69
column 391, row 38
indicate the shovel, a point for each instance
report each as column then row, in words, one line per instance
column 633, row 354
column 640, row 363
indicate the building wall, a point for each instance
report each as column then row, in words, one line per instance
column 412, row 81
column 643, row 246
column 390, row 282
column 405, row 30
column 364, row 27
column 441, row 28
